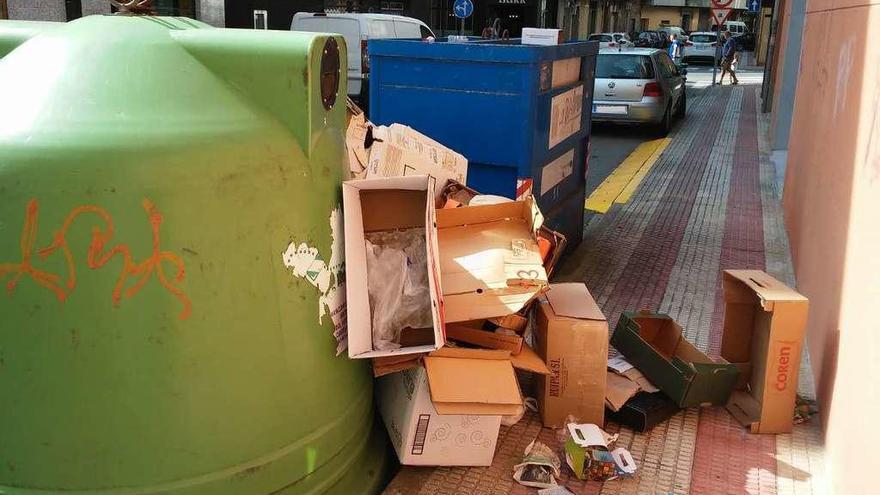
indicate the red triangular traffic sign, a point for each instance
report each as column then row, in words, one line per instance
column 720, row 16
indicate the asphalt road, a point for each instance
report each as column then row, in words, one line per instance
column 611, row 144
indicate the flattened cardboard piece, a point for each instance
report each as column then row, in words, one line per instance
column 529, row 360
column 398, row 150
column 573, row 300
column 576, row 353
column 473, row 381
column 355, row 142
column 764, row 325
column 514, row 322
column 654, row 344
column 392, row 364
column 618, row 390
column 422, row 437
column 484, row 338
column 489, row 259
column 383, row 204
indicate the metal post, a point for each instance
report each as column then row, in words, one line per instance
column 461, row 29
column 715, row 58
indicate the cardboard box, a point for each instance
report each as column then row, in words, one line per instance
column 588, row 455
column 398, row 150
column 489, row 259
column 654, row 343
column 624, row 381
column 571, row 335
column 373, row 205
column 764, row 324
column 541, row 36
column 421, row 436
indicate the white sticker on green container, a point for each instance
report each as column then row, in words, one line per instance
column 556, row 171
column 565, row 114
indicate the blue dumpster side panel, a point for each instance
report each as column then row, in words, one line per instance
column 486, row 101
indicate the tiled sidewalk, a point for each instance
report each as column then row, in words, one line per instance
column 709, row 203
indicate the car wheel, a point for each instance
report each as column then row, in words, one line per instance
column 665, row 124
column 682, row 106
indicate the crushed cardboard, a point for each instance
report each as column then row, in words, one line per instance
column 484, row 338
column 398, row 150
column 489, row 259
column 624, row 381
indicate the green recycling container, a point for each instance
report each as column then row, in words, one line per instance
column 170, row 263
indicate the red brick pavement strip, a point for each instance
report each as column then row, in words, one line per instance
column 727, row 458
column 731, row 461
column 644, row 278
column 743, row 243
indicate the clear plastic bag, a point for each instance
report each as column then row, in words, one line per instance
column 397, row 281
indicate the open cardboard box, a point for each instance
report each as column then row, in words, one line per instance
column 764, row 323
column 490, row 262
column 654, row 343
column 383, row 204
column 571, row 335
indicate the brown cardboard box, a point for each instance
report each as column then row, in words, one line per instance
column 571, row 335
column 386, row 204
column 489, row 259
column 764, row 323
column 484, row 338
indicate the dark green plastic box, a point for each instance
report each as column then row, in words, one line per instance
column 654, row 343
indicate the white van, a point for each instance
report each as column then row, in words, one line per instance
column 357, row 29
column 736, row 27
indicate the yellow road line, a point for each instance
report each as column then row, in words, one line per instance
column 630, row 188
column 619, row 186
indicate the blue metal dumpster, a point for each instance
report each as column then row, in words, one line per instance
column 519, row 113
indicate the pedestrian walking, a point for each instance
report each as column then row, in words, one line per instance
column 674, row 48
column 728, row 55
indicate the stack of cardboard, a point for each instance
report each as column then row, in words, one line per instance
column 444, row 391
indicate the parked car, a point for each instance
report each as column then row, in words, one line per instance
column 746, row 41
column 701, row 46
column 649, row 39
column 638, row 85
column 357, row 29
column 606, row 40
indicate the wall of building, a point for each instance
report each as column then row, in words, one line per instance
column 656, row 15
column 212, row 12
column 791, row 33
column 37, row 10
column 90, row 7
column 831, row 202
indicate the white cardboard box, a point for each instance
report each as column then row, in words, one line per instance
column 420, row 436
column 390, row 203
column 541, row 36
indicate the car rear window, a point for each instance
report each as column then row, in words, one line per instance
column 703, row 38
column 624, row 67
column 599, row 37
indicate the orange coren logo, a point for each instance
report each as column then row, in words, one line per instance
column 783, row 367
column 98, row 255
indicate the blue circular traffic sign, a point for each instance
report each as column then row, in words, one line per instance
column 463, row 8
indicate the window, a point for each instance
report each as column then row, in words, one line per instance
column 614, row 66
column 426, row 33
column 667, row 67
column 381, row 29
column 261, row 19
column 604, row 38
column 703, row 38
column 408, row 30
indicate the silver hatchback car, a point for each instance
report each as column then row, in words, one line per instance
column 640, row 86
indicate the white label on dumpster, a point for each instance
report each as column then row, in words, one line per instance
column 308, row 263
column 565, row 114
column 554, row 172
